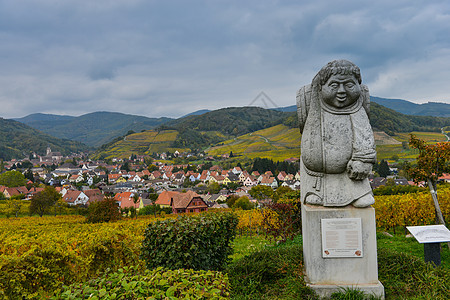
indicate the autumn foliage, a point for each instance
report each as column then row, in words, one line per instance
column 432, row 162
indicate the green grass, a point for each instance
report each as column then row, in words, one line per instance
column 276, row 272
column 401, row 244
column 245, row 245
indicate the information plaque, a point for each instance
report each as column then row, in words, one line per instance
column 341, row 238
column 430, row 233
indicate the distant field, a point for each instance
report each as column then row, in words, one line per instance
column 429, row 137
column 277, row 142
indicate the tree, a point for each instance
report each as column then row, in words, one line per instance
column 59, row 205
column 12, row 179
column 383, row 169
column 213, row 188
column 231, row 200
column 135, row 201
column 14, row 204
column 42, row 201
column 432, row 162
column 105, row 210
column 29, row 175
column 280, row 192
column 152, row 168
column 243, row 203
column 261, row 192
column 125, row 167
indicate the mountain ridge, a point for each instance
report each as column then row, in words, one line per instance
column 18, row 140
column 93, row 129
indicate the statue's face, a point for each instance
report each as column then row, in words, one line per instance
column 341, row 90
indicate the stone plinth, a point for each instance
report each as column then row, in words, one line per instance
column 327, row 275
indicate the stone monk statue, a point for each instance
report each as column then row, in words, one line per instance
column 337, row 148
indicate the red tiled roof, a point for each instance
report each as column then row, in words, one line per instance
column 182, row 200
column 164, row 197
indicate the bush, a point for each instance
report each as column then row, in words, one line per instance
column 282, row 220
column 199, row 242
column 159, row 283
column 105, row 210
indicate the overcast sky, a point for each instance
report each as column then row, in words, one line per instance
column 169, row 58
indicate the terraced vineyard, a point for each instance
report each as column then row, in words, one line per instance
column 145, row 142
column 389, row 151
column 278, row 143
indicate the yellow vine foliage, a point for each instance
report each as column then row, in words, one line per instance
column 410, row 209
column 252, row 220
column 42, row 253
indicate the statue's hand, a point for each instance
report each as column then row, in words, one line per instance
column 358, row 170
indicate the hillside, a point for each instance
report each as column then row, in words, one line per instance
column 146, row 142
column 435, row 109
column 277, row 142
column 93, row 129
column 17, row 140
column 391, row 122
column 228, row 122
column 260, row 133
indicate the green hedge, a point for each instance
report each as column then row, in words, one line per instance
column 158, row 283
column 199, row 242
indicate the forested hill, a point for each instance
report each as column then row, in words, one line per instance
column 196, row 131
column 17, row 140
column 435, row 109
column 231, row 120
column 93, row 129
column 390, row 121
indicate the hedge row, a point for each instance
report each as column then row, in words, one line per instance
column 201, row 242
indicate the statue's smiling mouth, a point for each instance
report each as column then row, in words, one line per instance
column 341, row 98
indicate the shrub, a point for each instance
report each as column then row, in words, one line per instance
column 105, row 210
column 158, row 283
column 199, row 242
column 282, row 221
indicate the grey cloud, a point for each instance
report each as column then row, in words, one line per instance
column 167, row 58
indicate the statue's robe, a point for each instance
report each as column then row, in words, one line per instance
column 331, row 137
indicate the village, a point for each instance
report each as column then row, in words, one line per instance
column 139, row 182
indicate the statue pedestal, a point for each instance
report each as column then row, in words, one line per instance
column 330, row 274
